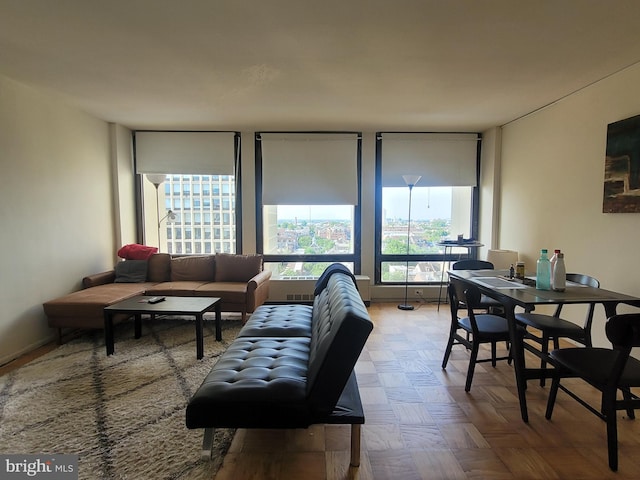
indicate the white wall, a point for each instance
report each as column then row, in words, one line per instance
column 552, row 184
column 56, row 208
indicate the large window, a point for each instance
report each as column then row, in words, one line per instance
column 443, row 203
column 189, row 178
column 308, row 194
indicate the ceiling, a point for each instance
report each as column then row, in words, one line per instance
column 365, row 65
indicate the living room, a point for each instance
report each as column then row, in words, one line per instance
column 68, row 183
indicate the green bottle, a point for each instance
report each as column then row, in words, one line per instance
column 543, row 271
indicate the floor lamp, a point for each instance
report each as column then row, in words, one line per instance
column 158, row 179
column 410, row 180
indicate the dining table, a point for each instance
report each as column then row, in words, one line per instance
column 515, row 293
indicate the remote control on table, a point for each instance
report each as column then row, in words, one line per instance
column 156, row 299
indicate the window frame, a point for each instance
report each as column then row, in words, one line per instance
column 139, row 190
column 381, row 258
column 353, row 258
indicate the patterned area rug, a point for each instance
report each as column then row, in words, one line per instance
column 124, row 415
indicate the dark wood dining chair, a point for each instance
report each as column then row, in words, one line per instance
column 488, row 304
column 472, row 264
column 478, row 328
column 606, row 369
column 552, row 327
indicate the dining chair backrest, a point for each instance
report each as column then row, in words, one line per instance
column 623, row 330
column 582, row 279
column 463, row 295
column 471, row 264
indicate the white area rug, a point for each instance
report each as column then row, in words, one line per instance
column 124, row 415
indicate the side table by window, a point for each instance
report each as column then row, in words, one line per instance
column 448, row 250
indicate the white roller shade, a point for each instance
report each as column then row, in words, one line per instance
column 309, row 169
column 442, row 159
column 203, row 153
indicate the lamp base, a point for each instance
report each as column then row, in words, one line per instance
column 404, row 306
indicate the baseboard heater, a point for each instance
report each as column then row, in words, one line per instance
column 301, row 291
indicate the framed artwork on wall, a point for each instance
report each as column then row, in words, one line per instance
column 622, row 167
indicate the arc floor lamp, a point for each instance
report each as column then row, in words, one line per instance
column 411, row 181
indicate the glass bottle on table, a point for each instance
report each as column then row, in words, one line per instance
column 560, row 274
column 543, row 271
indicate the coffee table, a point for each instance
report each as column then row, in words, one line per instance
column 139, row 305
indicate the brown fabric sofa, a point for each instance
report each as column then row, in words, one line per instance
column 239, row 280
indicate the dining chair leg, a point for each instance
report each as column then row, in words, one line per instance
column 447, row 352
column 472, row 366
column 609, row 410
column 553, row 393
column 626, row 394
column 545, row 352
column 494, row 354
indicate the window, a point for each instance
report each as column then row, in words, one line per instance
column 443, row 203
column 189, row 199
column 308, row 190
column 179, row 237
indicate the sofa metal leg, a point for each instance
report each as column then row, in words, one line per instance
column 207, row 443
column 355, row 444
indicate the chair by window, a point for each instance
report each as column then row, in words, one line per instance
column 479, row 328
column 552, row 327
column 608, row 370
column 486, row 303
column 471, row 264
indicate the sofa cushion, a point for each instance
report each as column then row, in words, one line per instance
column 257, row 382
column 237, row 268
column 231, row 292
column 175, row 289
column 340, row 328
column 159, row 267
column 193, row 268
column 131, row 271
column 292, row 320
column 91, row 301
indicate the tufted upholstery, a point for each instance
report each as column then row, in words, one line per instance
column 340, row 328
column 279, row 321
column 290, row 367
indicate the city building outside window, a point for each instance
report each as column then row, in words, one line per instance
column 193, row 205
column 305, row 234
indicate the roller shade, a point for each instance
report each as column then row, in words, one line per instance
column 198, row 153
column 442, row 159
column 309, row 169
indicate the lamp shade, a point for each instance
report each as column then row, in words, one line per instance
column 156, row 178
column 411, row 180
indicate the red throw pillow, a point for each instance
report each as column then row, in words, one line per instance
column 135, row 251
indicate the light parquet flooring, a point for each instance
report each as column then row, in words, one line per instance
column 421, row 424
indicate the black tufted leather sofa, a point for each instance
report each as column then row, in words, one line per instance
column 291, row 366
